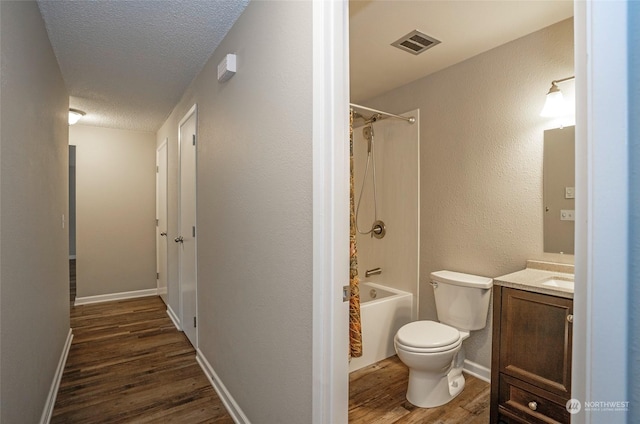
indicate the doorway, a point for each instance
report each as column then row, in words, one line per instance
column 161, row 220
column 186, row 239
column 72, row 224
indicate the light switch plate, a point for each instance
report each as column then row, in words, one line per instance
column 569, row 192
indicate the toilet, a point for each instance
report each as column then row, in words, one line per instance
column 432, row 350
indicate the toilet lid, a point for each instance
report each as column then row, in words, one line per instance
column 427, row 334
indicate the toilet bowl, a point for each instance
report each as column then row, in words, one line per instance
column 428, row 349
column 432, row 350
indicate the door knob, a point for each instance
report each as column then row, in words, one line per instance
column 163, row 234
column 178, row 239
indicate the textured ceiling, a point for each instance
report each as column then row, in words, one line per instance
column 465, row 28
column 127, row 63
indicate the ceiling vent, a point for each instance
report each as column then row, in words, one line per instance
column 415, row 42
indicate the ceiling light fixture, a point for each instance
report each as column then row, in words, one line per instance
column 75, row 115
column 555, row 105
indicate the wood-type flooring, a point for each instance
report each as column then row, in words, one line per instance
column 377, row 396
column 129, row 364
column 72, row 280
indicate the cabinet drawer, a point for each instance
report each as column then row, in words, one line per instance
column 518, row 399
column 536, row 338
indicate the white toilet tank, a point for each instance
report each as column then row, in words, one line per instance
column 462, row 300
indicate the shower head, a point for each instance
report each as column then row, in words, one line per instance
column 367, row 132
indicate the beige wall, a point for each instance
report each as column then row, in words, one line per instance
column 254, row 211
column 34, row 271
column 115, row 210
column 481, row 161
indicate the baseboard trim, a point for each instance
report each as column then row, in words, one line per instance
column 230, row 404
column 55, row 384
column 114, row 296
column 174, row 317
column 477, row 370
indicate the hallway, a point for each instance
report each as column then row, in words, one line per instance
column 128, row 363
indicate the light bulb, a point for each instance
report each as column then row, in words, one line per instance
column 75, row 115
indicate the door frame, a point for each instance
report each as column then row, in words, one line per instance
column 601, row 310
column 330, row 147
column 600, row 32
column 162, row 157
column 193, row 111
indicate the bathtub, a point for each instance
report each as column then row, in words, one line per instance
column 383, row 310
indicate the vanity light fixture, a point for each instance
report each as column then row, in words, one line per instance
column 555, row 105
column 75, row 115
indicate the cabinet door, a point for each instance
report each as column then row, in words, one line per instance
column 535, row 341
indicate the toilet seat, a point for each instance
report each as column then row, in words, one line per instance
column 427, row 337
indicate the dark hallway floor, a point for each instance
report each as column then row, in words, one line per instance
column 128, row 363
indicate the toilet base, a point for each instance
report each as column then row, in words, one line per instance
column 425, row 391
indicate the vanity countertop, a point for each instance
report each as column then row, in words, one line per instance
column 533, row 277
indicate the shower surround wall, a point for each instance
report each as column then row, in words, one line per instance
column 397, row 156
column 481, row 161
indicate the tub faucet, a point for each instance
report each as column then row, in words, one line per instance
column 374, row 271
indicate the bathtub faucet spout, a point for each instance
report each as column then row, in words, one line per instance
column 374, row 271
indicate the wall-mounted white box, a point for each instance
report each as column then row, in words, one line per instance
column 227, row 67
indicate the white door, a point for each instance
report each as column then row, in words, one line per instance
column 161, row 220
column 186, row 238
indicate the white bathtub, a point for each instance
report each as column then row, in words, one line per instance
column 383, row 311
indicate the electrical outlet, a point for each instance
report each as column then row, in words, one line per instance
column 567, row 215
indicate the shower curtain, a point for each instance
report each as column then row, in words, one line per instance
column 355, row 327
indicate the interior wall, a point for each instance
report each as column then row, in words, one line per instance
column 481, row 161
column 72, row 201
column 34, row 247
column 115, row 210
column 396, row 146
column 634, row 213
column 254, row 209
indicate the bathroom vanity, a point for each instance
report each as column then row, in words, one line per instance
column 532, row 337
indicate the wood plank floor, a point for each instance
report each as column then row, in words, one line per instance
column 129, row 364
column 72, row 280
column 377, row 396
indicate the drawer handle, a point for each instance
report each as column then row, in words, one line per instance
column 570, row 318
column 533, row 405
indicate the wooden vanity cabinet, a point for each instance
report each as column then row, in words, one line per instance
column 531, row 357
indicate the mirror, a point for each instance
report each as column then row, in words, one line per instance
column 559, row 190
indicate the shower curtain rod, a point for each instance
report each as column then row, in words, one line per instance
column 410, row 119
